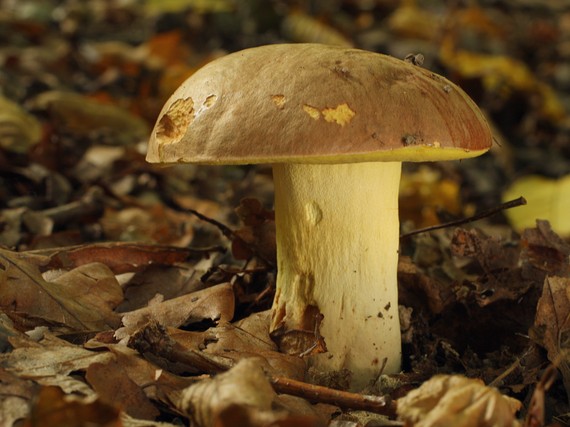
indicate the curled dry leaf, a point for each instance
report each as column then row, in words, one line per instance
column 216, row 303
column 552, row 323
column 82, row 299
column 453, row 400
column 241, row 396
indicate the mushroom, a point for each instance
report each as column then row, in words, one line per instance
column 335, row 123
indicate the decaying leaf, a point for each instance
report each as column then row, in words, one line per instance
column 494, row 265
column 258, row 232
column 215, row 303
column 241, row 396
column 111, row 382
column 56, row 359
column 545, row 252
column 17, row 394
column 552, row 323
column 82, row 299
column 120, row 257
column 236, row 342
column 54, row 408
column 453, row 400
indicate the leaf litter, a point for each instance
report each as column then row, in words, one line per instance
column 100, row 249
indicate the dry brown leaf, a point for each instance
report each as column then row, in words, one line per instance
column 114, row 386
column 215, row 303
column 81, row 115
column 241, row 396
column 453, row 400
column 82, row 299
column 154, row 224
column 50, row 361
column 54, row 408
column 544, row 251
column 169, row 281
column 16, row 396
column 258, row 232
column 245, row 385
column 235, row 342
column 552, row 323
column 120, row 257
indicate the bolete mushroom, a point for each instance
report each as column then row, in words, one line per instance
column 335, row 123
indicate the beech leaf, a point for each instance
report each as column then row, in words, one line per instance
column 82, row 299
column 552, row 323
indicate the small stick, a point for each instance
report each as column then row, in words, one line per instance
column 343, row 399
column 489, row 212
column 154, row 339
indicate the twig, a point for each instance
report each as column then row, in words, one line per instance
column 489, row 212
column 154, row 339
column 343, row 399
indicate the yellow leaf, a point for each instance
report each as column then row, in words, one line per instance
column 546, row 199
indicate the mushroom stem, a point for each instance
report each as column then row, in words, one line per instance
column 337, row 254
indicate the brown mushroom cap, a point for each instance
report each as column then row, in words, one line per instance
column 310, row 103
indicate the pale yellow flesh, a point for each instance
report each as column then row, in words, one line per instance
column 337, row 249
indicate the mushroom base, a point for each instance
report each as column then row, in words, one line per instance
column 337, row 254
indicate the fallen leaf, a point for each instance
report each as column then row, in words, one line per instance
column 547, row 199
column 111, row 382
column 17, row 394
column 215, row 303
column 48, row 361
column 236, row 342
column 545, row 252
column 120, row 257
column 257, row 236
column 453, row 400
column 54, row 408
column 552, row 323
column 82, row 299
column 241, row 396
